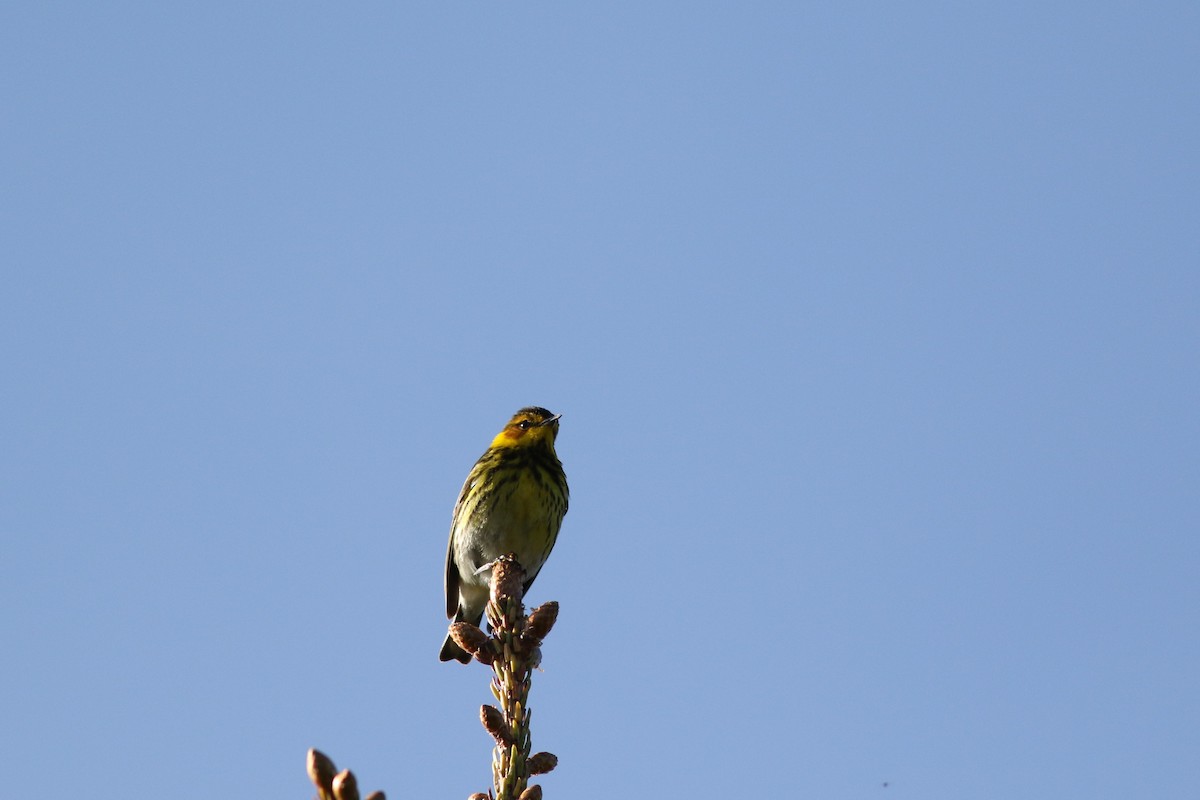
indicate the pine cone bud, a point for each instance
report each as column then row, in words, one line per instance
column 479, row 796
column 493, row 723
column 541, row 620
column 532, row 793
column 507, row 580
column 376, row 796
column 470, row 638
column 541, row 763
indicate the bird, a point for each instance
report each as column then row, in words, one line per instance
column 513, row 501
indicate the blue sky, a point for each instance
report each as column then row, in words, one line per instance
column 873, row 327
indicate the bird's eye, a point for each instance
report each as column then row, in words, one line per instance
column 524, row 424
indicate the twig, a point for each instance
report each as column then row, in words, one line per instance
column 331, row 784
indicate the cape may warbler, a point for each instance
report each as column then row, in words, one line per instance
column 513, row 501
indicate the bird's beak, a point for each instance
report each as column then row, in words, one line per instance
column 546, row 422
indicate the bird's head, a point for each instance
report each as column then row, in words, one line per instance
column 529, row 427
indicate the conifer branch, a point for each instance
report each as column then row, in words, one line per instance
column 513, row 650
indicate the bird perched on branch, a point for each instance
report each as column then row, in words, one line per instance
column 513, row 501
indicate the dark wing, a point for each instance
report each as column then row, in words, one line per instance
column 451, row 581
column 452, row 577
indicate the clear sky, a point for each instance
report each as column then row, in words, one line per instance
column 874, row 328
